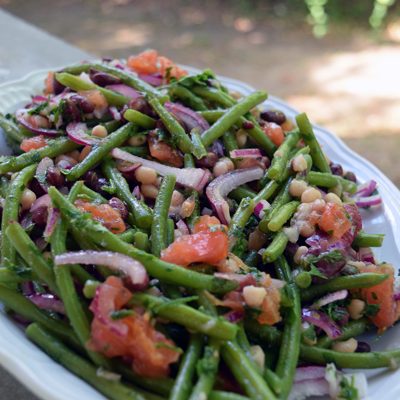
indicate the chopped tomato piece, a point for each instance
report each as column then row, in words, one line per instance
column 49, row 83
column 207, row 247
column 164, row 152
column 204, row 223
column 96, row 98
column 270, row 307
column 149, row 62
column 105, row 214
column 334, row 220
column 381, row 295
column 132, row 336
column 274, row 132
column 33, row 143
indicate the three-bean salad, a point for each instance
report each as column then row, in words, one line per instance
column 165, row 238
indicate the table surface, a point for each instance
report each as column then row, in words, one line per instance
column 25, row 48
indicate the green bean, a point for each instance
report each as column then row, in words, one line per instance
column 290, row 344
column 231, row 116
column 141, row 212
column 160, row 215
column 241, row 192
column 267, row 192
column 220, row 395
column 213, row 95
column 275, row 248
column 241, row 216
column 31, row 254
column 95, row 197
column 187, row 97
column 54, row 148
column 112, row 389
column 189, row 163
column 187, row 316
column 303, row 279
column 273, row 380
column 281, row 156
column 212, row 116
column 141, row 241
column 177, row 132
column 183, row 382
column 24, row 307
column 245, row 372
column 167, row 272
column 11, row 278
column 281, row 199
column 308, row 135
column 357, row 281
column 325, row 179
column 66, row 286
column 230, row 142
column 282, row 215
column 199, row 150
column 350, row 330
column 11, row 212
column 128, row 236
column 170, row 231
column 368, row 240
column 140, row 151
column 111, row 126
column 78, row 84
column 11, row 129
column 207, row 369
column 128, row 79
column 100, row 151
column 140, row 119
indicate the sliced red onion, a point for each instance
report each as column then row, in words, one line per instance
column 189, row 118
column 310, row 372
column 234, row 316
column 370, row 201
column 41, row 172
column 321, row 320
column 220, row 187
column 206, row 211
column 47, row 301
column 52, row 218
column 115, row 113
column 38, row 99
column 77, row 132
column 330, row 298
column 182, row 227
column 41, row 202
column 194, row 178
column 309, row 388
column 153, row 80
column 366, row 188
column 242, row 279
column 245, row 153
column 27, row 288
column 115, row 261
column 20, row 116
column 365, row 254
column 260, row 207
column 137, row 193
column 124, row 90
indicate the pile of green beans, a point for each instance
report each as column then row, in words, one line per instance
column 208, row 310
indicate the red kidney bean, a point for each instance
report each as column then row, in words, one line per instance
column 54, row 177
column 273, row 116
column 350, row 176
column 119, row 206
column 336, row 169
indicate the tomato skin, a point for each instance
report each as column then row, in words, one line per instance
column 33, row 143
column 164, row 152
column 105, row 214
column 133, row 336
column 334, row 221
column 382, row 295
column 274, row 132
column 270, row 314
column 207, row 247
column 204, row 223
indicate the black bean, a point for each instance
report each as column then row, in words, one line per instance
column 363, row 347
column 39, row 216
column 208, row 161
column 54, row 177
column 336, row 169
column 94, row 181
column 350, row 176
column 102, row 78
column 278, row 117
column 119, row 206
column 247, row 125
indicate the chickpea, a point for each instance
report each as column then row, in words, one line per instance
column 69, row 160
column 241, row 137
column 187, row 207
column 149, row 191
column 258, row 355
column 299, row 163
column 27, row 199
column 74, row 154
column 311, row 194
column 137, row 140
column 85, row 152
column 177, row 198
column 297, row 187
column 356, row 308
column 318, row 205
column 253, row 295
column 223, row 166
column 346, row 346
column 146, row 175
column 300, row 252
column 333, row 198
column 306, row 229
column 99, row 131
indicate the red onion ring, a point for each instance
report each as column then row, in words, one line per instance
column 77, row 132
column 246, row 153
column 20, row 116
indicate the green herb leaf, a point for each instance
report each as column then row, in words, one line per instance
column 120, row 314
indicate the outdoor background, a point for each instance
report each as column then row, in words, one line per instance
column 339, row 62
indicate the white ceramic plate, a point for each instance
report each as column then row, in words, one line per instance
column 48, row 380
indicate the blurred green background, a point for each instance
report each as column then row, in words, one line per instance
column 337, row 60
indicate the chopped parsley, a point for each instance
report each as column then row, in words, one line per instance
column 38, row 109
column 347, row 389
column 371, row 310
column 120, row 314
